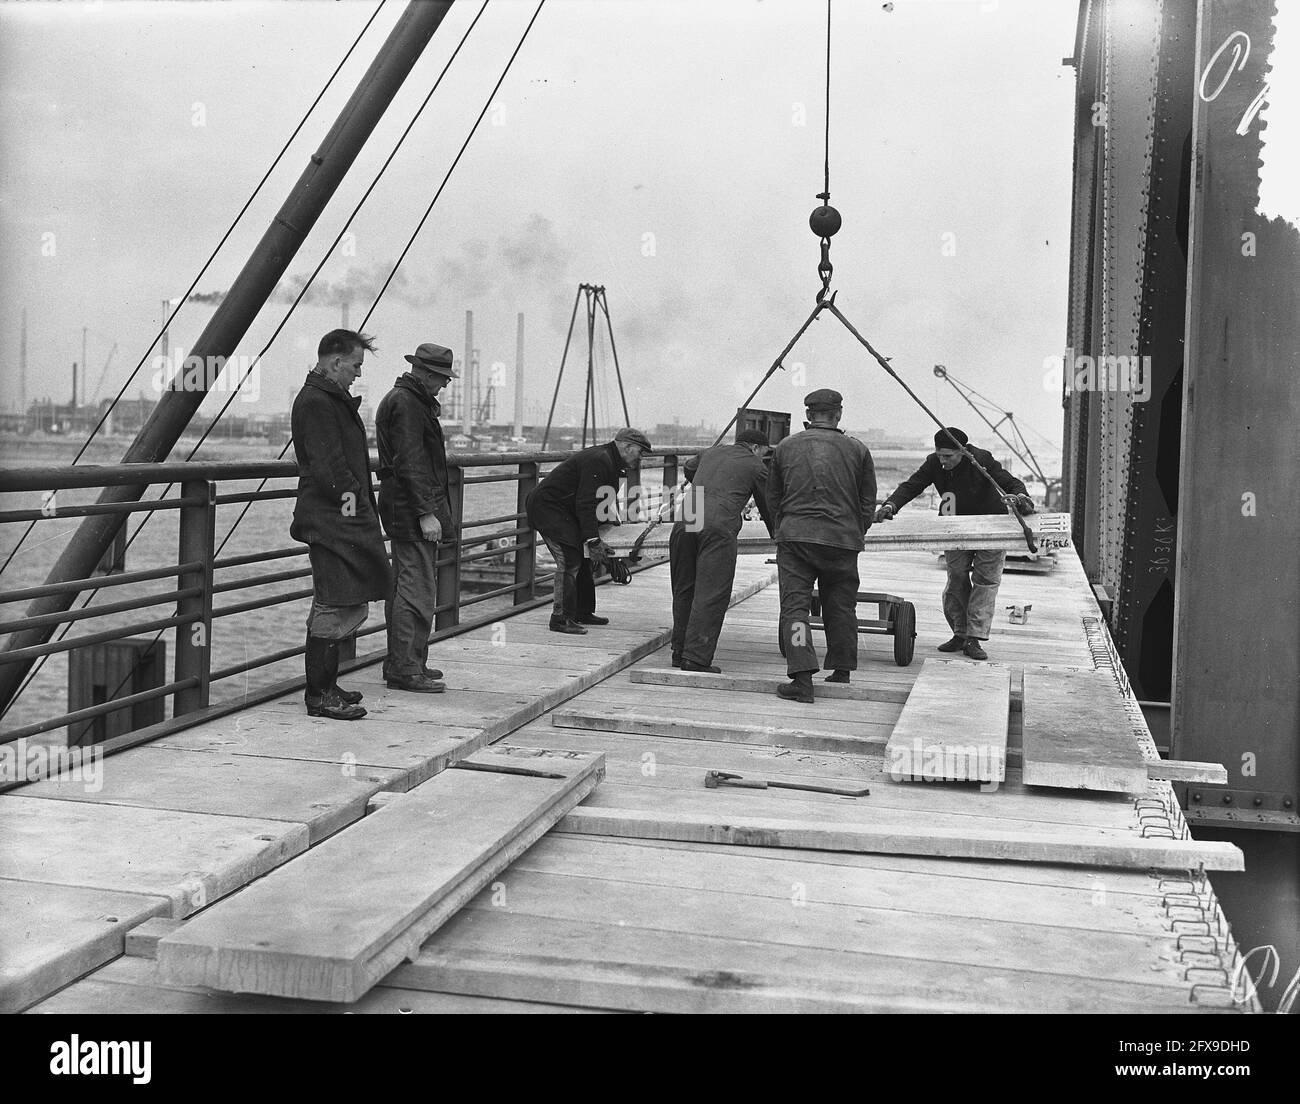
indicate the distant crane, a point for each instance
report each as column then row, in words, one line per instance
column 102, row 373
column 1018, row 446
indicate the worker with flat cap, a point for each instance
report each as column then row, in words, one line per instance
column 971, row 593
column 822, row 491
column 567, row 509
column 702, row 547
column 415, row 507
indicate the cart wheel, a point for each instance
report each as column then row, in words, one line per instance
column 904, row 633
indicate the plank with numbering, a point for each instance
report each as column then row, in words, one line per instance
column 652, row 725
column 332, row 924
column 954, row 725
column 910, row 531
column 1077, row 734
column 1086, row 849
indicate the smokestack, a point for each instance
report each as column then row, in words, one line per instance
column 519, row 377
column 22, row 366
column 466, row 382
column 74, row 385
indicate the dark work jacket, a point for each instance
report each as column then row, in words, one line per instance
column 578, row 496
column 963, row 490
column 336, row 512
column 412, row 461
column 726, row 478
column 822, row 488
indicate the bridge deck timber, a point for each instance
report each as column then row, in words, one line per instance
column 587, row 922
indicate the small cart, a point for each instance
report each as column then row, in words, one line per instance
column 897, row 618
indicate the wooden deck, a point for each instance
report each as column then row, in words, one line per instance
column 603, row 922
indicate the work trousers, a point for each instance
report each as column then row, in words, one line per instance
column 409, row 608
column 575, row 585
column 799, row 566
column 971, row 595
column 702, row 567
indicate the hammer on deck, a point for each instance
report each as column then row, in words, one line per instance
column 715, row 778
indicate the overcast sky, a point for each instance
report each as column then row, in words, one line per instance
column 670, row 151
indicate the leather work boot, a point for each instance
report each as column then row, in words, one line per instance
column 432, row 672
column 416, row 684
column 800, row 689
column 973, row 650
column 330, row 705
column 956, row 644
column 676, row 660
column 839, row 675
column 591, row 619
column 691, row 665
column 571, row 627
column 352, row 697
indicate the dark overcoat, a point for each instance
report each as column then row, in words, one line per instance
column 412, row 461
column 335, row 514
column 578, row 496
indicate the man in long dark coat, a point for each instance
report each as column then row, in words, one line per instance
column 702, row 547
column 415, row 507
column 336, row 517
column 567, row 508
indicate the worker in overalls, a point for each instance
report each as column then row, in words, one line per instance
column 971, row 594
column 702, row 547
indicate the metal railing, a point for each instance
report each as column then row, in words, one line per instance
column 200, row 577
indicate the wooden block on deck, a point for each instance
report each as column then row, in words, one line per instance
column 954, row 725
column 51, row 935
column 645, row 724
column 671, row 676
column 1077, row 734
column 332, row 924
column 1174, row 770
column 1086, row 849
column 142, row 941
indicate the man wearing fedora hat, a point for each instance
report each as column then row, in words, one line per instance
column 415, row 507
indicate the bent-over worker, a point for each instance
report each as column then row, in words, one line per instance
column 971, row 593
column 702, row 547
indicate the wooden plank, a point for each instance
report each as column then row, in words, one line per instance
column 1111, row 851
column 51, row 935
column 329, row 926
column 632, row 968
column 652, row 725
column 134, row 986
column 910, row 531
column 323, row 796
column 1172, row 770
column 854, row 691
column 190, row 858
column 142, row 941
column 1077, row 734
column 954, row 725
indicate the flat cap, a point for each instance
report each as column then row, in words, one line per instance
column 944, row 438
column 636, row 437
column 751, row 437
column 823, row 399
column 436, row 358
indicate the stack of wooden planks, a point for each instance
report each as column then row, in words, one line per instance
column 329, row 925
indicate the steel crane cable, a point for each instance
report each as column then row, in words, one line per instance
column 206, row 264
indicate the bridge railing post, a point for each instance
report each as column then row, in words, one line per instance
column 198, row 525
column 526, row 543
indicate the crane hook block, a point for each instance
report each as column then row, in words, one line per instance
column 824, row 221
